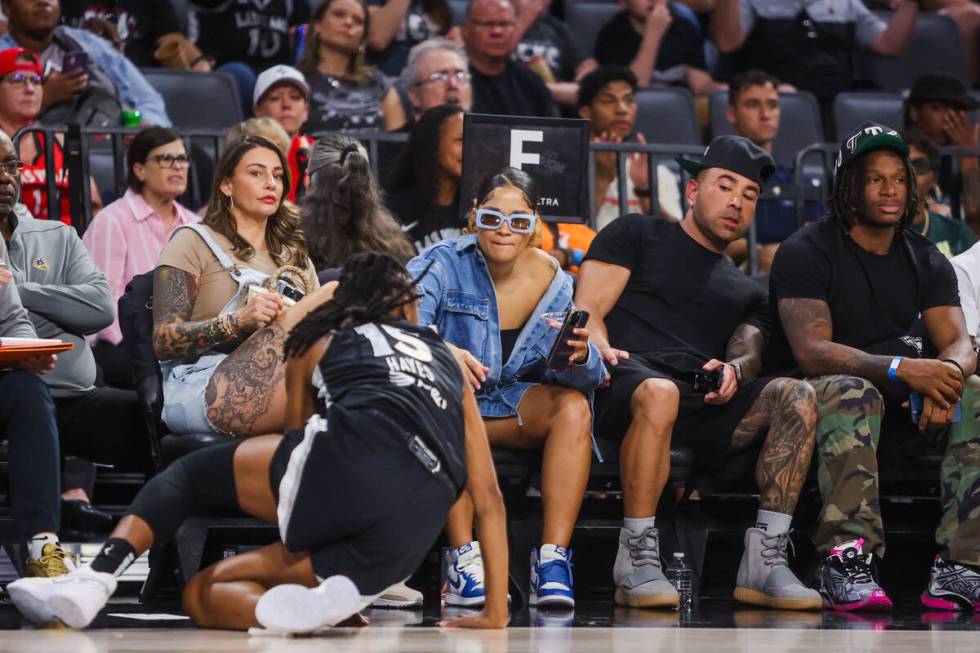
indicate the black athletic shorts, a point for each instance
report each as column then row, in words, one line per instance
column 351, row 493
column 706, row 429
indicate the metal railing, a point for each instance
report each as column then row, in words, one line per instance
column 79, row 144
column 810, row 182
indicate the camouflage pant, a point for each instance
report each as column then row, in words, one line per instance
column 849, row 412
column 958, row 534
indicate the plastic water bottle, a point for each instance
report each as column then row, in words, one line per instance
column 679, row 575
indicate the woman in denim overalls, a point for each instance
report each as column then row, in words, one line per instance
column 225, row 374
column 486, row 294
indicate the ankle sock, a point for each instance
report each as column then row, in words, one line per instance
column 773, row 523
column 637, row 525
column 35, row 546
column 115, row 557
column 551, row 552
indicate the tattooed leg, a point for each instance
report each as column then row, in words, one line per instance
column 788, row 408
column 247, row 392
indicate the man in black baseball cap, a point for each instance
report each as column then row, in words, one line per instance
column 938, row 108
column 681, row 330
column 848, row 291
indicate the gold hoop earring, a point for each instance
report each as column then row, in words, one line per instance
column 231, row 203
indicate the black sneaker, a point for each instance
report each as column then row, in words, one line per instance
column 847, row 580
column 952, row 586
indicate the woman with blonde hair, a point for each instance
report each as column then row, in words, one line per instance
column 223, row 295
column 487, row 293
column 345, row 94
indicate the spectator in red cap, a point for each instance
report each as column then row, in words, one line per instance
column 281, row 93
column 21, row 95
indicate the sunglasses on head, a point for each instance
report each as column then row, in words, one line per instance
column 519, row 223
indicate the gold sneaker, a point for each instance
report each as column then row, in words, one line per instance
column 54, row 561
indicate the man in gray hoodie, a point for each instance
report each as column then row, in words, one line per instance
column 27, row 424
column 67, row 297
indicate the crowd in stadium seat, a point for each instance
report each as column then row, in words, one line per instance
column 293, row 199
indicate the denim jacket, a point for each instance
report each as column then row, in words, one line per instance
column 458, row 297
column 132, row 88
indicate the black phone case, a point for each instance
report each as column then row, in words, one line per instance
column 561, row 351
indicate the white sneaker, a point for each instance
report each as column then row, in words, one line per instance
column 464, row 577
column 399, row 595
column 298, row 609
column 75, row 598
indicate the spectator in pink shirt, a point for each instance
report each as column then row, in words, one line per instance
column 126, row 237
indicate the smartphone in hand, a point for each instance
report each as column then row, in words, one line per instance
column 75, row 60
column 561, row 350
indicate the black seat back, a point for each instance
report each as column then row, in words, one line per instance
column 136, row 324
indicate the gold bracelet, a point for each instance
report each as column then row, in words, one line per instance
column 226, row 326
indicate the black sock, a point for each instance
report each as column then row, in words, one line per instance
column 115, row 557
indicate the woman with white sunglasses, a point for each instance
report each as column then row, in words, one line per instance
column 487, row 294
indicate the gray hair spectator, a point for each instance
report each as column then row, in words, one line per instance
column 436, row 73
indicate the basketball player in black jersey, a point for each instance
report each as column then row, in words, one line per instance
column 385, row 438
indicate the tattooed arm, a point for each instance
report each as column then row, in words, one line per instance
column 745, row 348
column 808, row 328
column 174, row 336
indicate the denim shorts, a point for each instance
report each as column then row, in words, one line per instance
column 184, row 385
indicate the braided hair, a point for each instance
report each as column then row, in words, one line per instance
column 372, row 284
column 847, row 201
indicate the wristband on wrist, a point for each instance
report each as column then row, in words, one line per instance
column 893, row 368
column 641, row 192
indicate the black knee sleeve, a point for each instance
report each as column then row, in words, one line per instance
column 203, row 480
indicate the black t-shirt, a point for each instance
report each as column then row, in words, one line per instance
column 682, row 302
column 682, row 45
column 340, row 104
column 255, row 32
column 425, row 224
column 407, row 372
column 139, row 22
column 874, row 300
column 515, row 92
column 550, row 38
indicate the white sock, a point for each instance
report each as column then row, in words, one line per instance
column 551, row 552
column 35, row 546
column 773, row 523
column 637, row 525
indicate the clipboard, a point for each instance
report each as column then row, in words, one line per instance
column 12, row 351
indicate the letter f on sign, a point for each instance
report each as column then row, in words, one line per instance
column 518, row 156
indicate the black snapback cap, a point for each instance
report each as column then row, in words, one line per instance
column 735, row 153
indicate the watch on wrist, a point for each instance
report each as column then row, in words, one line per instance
column 738, row 371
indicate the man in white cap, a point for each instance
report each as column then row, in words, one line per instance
column 281, row 93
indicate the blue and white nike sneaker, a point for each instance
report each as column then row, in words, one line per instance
column 464, row 577
column 551, row 577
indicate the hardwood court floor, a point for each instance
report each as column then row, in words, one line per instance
column 713, row 627
column 514, row 640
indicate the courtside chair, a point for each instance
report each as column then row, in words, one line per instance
column 665, row 114
column 935, row 47
column 851, row 110
column 197, row 100
column 585, row 19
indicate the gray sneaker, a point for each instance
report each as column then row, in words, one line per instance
column 764, row 577
column 640, row 581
